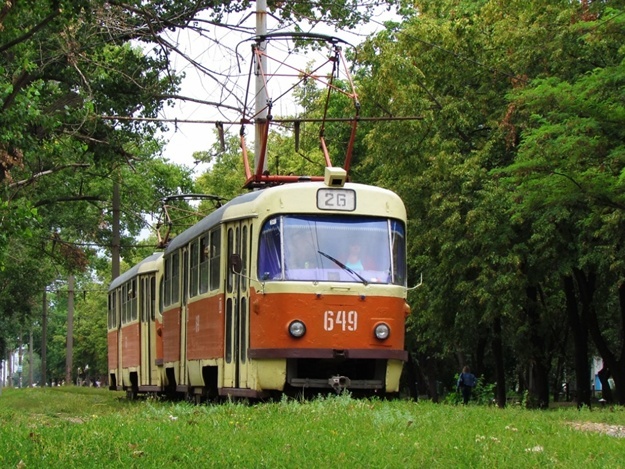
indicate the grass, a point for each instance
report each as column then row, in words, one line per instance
column 83, row 427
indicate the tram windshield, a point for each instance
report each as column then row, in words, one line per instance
column 333, row 248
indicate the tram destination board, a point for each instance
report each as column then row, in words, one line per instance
column 336, row 199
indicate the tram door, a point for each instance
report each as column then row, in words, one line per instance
column 237, row 335
column 115, row 337
column 148, row 346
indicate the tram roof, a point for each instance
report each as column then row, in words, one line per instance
column 233, row 211
column 146, row 265
column 210, row 220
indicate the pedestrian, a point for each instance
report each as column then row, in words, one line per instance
column 466, row 383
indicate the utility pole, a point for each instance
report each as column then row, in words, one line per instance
column 30, row 360
column 44, row 339
column 20, row 357
column 69, row 357
column 261, row 90
column 115, row 248
column 9, row 367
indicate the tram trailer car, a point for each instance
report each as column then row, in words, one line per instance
column 135, row 351
column 261, row 297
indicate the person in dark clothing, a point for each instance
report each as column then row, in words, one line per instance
column 466, row 383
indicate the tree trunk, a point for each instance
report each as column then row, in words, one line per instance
column 10, row 368
column 30, row 359
column 615, row 364
column 580, row 344
column 432, row 374
column 44, row 340
column 420, row 378
column 539, row 385
column 618, row 375
column 69, row 351
column 500, row 371
column 115, row 248
column 557, row 379
column 480, row 351
column 538, row 366
column 20, row 357
column 411, row 375
column 586, row 284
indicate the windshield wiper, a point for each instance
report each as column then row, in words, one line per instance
column 344, row 267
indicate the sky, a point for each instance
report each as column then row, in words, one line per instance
column 217, row 52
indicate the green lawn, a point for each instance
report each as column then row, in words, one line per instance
column 82, row 427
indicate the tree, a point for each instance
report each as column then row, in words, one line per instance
column 571, row 153
column 438, row 169
column 495, row 250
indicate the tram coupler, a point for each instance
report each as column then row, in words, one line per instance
column 339, row 383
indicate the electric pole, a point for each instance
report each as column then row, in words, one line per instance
column 69, row 357
column 261, row 90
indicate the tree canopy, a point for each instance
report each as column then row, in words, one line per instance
column 512, row 180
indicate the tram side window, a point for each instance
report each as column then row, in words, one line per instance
column 125, row 303
column 133, row 299
column 194, row 266
column 129, row 307
column 146, row 300
column 398, row 244
column 204, row 258
column 111, row 311
column 152, row 297
column 167, row 283
column 142, row 300
column 244, row 258
column 122, row 304
column 230, row 250
column 175, row 278
column 161, row 296
column 172, row 279
column 215, row 258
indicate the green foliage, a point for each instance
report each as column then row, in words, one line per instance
column 512, row 174
column 17, row 218
column 342, row 14
column 58, row 157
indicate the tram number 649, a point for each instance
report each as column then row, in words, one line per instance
column 344, row 320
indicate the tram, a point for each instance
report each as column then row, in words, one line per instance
column 260, row 297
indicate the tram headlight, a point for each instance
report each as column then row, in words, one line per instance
column 297, row 329
column 382, row 331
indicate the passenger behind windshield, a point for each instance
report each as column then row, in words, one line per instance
column 300, row 252
column 354, row 257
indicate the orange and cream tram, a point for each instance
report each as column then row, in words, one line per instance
column 135, row 349
column 265, row 295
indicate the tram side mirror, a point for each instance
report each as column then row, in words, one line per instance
column 236, row 264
